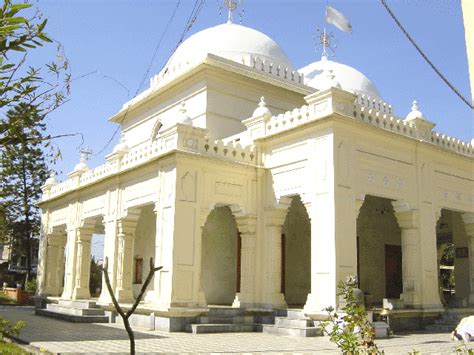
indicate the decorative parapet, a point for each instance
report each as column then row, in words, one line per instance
column 179, row 137
column 255, row 62
column 362, row 108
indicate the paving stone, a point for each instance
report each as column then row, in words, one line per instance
column 76, row 338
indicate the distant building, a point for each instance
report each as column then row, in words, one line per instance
column 259, row 186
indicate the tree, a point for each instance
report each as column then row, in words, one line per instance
column 28, row 93
column 23, row 170
column 45, row 87
column 126, row 315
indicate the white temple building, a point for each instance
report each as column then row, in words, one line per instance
column 259, row 186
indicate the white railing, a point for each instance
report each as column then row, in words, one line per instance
column 149, row 150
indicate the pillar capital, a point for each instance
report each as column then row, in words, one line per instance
column 359, row 201
column 407, row 217
column 246, row 224
column 275, row 217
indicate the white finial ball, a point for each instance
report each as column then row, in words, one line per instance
column 82, row 166
column 262, row 109
column 415, row 112
column 51, row 180
column 122, row 146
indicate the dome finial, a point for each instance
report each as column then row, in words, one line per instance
column 231, row 6
column 262, row 109
column 325, row 40
column 415, row 112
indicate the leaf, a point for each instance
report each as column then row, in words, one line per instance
column 20, row 6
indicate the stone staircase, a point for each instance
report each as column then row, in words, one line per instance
column 77, row 311
column 293, row 322
column 224, row 320
column 448, row 321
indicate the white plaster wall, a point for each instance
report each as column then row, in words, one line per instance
column 461, row 265
column 144, row 246
column 219, row 257
column 374, row 230
column 297, row 230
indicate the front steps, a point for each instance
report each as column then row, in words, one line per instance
column 224, row 320
column 449, row 320
column 293, row 323
column 77, row 311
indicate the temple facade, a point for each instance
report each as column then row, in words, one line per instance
column 259, row 186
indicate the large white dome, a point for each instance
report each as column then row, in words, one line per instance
column 231, row 41
column 349, row 79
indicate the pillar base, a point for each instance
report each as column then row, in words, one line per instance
column 243, row 300
column 316, row 305
column 276, row 300
column 125, row 296
column 81, row 292
column 471, row 299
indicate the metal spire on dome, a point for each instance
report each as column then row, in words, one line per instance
column 232, row 5
column 325, row 40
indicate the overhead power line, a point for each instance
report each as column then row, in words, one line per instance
column 425, row 57
column 147, row 71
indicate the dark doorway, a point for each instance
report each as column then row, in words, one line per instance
column 393, row 271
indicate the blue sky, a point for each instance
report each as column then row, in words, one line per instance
column 117, row 38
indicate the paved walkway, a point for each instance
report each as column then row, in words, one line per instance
column 73, row 338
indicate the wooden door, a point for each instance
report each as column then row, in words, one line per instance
column 283, row 263
column 393, row 271
column 239, row 262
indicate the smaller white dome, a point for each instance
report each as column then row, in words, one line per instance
column 348, row 78
column 262, row 109
column 414, row 113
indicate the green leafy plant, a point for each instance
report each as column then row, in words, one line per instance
column 349, row 327
column 8, row 330
column 30, row 285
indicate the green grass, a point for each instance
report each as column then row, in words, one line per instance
column 5, row 300
column 10, row 348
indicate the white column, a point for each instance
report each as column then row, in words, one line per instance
column 83, row 263
column 323, row 254
column 202, row 218
column 70, row 267
column 419, row 254
column 468, row 219
column 54, row 265
column 110, row 252
column 126, row 233
column 247, row 228
column 272, row 266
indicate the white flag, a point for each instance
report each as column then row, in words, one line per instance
column 337, row 19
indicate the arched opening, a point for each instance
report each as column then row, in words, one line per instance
column 296, row 255
column 143, row 250
column 97, row 260
column 453, row 259
column 219, row 257
column 379, row 251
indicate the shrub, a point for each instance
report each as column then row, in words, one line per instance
column 31, row 285
column 349, row 327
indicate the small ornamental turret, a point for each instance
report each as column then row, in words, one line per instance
column 262, row 109
column 423, row 127
column 121, row 148
column 82, row 166
column 185, row 118
column 51, row 180
column 415, row 113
